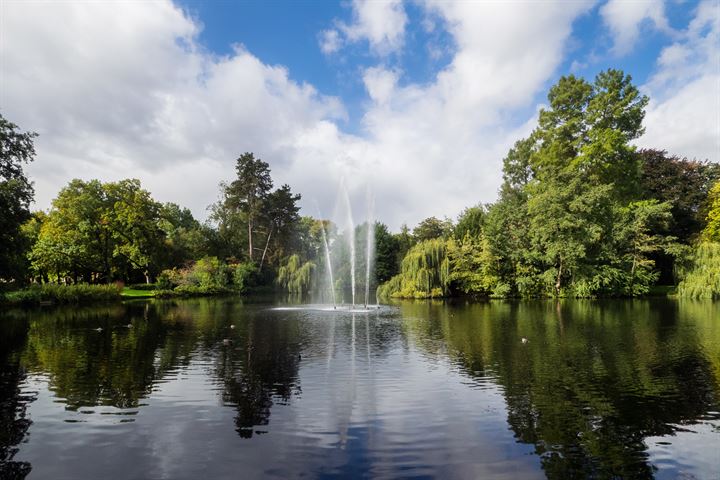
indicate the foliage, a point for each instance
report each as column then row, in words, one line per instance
column 55, row 293
column 424, row 272
column 473, row 267
column 295, row 276
column 432, row 228
column 16, row 194
column 712, row 228
column 684, row 183
column 387, row 247
column 209, row 275
column 700, row 272
column 471, row 221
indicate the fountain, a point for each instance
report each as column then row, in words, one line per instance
column 341, row 252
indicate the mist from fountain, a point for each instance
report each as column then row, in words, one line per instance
column 350, row 237
column 369, row 244
column 329, row 266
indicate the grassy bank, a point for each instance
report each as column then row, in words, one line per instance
column 63, row 294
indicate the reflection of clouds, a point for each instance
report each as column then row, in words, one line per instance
column 387, row 394
column 688, row 453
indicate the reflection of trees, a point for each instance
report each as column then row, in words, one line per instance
column 116, row 366
column 594, row 380
column 13, row 404
column 259, row 368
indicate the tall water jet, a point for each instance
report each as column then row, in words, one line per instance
column 350, row 238
column 369, row 241
column 328, row 261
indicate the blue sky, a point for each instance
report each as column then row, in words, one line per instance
column 417, row 100
column 286, row 33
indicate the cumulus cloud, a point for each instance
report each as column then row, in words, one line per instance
column 126, row 90
column 683, row 116
column 379, row 22
column 625, row 19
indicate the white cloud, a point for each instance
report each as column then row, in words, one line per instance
column 330, row 41
column 379, row 22
column 625, row 19
column 125, row 90
column 683, row 116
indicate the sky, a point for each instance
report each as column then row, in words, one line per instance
column 411, row 103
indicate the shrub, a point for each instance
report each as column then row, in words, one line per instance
column 56, row 293
column 700, row 273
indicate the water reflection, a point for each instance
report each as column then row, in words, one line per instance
column 13, row 403
column 258, row 366
column 600, row 390
column 594, row 380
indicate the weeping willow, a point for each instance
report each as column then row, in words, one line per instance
column 701, row 274
column 424, row 273
column 296, row 276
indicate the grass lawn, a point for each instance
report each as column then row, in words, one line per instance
column 131, row 293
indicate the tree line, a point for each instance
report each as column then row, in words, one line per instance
column 581, row 212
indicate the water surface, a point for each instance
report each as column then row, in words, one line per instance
column 230, row 388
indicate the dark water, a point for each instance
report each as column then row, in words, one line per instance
column 616, row 389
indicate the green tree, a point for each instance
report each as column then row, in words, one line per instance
column 386, row 253
column 184, row 237
column 711, row 233
column 16, row 194
column 99, row 232
column 247, row 194
column 684, row 183
column 281, row 219
column 471, row 221
column 432, row 228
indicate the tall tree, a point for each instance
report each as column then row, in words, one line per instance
column 684, row 183
column 386, row 253
column 248, row 192
column 711, row 233
column 432, row 228
column 16, row 194
column 280, row 210
column 471, row 221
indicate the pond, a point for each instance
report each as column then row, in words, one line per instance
column 235, row 388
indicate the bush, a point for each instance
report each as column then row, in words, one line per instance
column 700, row 272
column 207, row 276
column 56, row 293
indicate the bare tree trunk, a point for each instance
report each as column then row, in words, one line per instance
column 558, row 282
column 250, row 248
column 262, row 260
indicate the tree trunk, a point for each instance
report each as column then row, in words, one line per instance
column 250, row 247
column 266, row 247
column 558, row 282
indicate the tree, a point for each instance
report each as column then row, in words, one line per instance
column 133, row 217
column 185, row 238
column 98, row 232
column 16, row 194
column 386, row 253
column 471, row 221
column 280, row 212
column 566, row 223
column 432, row 228
column 711, row 233
column 247, row 194
column 684, row 183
